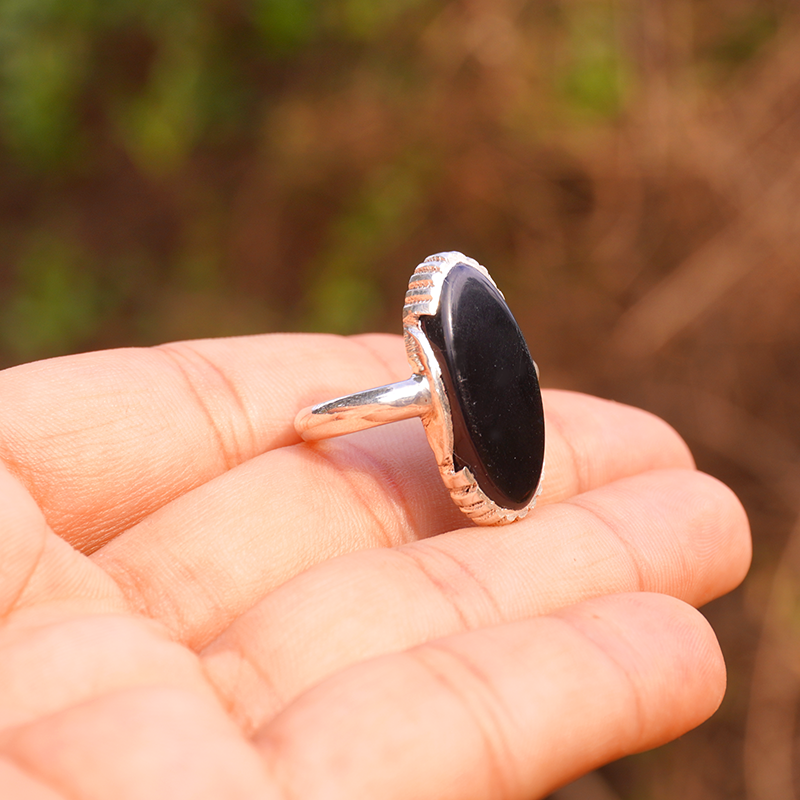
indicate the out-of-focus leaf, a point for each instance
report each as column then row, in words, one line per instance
column 365, row 19
column 40, row 79
column 345, row 296
column 593, row 76
column 285, row 24
column 160, row 125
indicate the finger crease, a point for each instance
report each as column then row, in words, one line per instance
column 12, row 605
column 230, row 450
column 238, row 400
column 580, row 468
column 36, row 776
column 226, row 691
column 475, row 581
column 633, row 556
column 482, row 704
column 443, row 588
column 446, row 588
column 134, row 590
column 638, row 714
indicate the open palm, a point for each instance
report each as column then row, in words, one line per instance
column 196, row 605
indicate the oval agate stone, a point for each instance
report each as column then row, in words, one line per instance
column 491, row 383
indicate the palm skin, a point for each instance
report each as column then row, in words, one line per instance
column 197, row 605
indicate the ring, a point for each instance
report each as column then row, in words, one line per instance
column 473, row 384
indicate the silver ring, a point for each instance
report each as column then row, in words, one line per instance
column 473, row 384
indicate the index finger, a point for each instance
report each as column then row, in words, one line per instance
column 101, row 440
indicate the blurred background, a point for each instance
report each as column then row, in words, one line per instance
column 628, row 171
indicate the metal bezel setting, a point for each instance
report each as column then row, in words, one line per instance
column 422, row 299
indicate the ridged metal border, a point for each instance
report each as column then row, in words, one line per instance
column 422, row 299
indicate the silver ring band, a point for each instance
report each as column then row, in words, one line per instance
column 357, row 412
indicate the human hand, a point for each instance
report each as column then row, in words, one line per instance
column 195, row 605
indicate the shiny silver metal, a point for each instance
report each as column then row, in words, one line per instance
column 357, row 412
column 422, row 395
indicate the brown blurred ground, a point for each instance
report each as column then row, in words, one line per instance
column 628, row 171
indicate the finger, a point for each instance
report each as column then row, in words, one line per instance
column 142, row 744
column 36, row 566
column 513, row 711
column 103, row 439
column 678, row 532
column 52, row 658
column 591, row 442
column 208, row 556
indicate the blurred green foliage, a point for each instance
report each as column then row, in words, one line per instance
column 55, row 304
column 594, row 75
column 43, row 61
column 344, row 295
column 306, row 138
column 285, row 25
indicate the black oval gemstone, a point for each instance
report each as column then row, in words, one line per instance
column 490, row 379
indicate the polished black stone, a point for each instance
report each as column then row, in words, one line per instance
column 490, row 379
